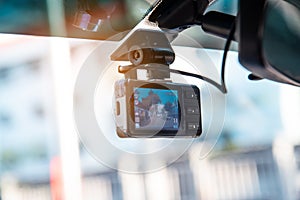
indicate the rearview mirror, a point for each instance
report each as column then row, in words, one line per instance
column 269, row 39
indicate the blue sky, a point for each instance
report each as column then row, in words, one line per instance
column 164, row 95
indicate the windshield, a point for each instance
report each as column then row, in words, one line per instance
column 63, row 18
column 58, row 108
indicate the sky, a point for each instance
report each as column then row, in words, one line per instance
column 164, row 95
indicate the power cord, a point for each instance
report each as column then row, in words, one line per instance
column 221, row 87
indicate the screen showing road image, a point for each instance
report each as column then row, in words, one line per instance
column 156, row 109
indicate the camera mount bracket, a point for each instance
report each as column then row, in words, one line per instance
column 154, row 71
column 146, row 50
column 150, row 50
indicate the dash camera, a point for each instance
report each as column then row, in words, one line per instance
column 157, row 109
column 153, row 106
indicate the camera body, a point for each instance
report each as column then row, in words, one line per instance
column 147, row 103
column 146, row 109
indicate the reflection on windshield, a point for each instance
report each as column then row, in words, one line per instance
column 41, row 17
column 37, row 17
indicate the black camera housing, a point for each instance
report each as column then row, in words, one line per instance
column 150, row 116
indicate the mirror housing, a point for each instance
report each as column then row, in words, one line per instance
column 269, row 45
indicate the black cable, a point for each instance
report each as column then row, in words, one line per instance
column 221, row 87
column 226, row 49
column 125, row 69
column 217, row 85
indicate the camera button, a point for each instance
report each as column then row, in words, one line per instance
column 192, row 110
column 192, row 126
column 190, row 95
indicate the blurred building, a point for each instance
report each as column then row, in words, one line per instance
column 29, row 143
column 251, row 174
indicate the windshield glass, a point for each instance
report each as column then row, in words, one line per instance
column 57, row 113
column 45, row 17
column 90, row 19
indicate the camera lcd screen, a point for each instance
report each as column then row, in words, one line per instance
column 156, row 109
